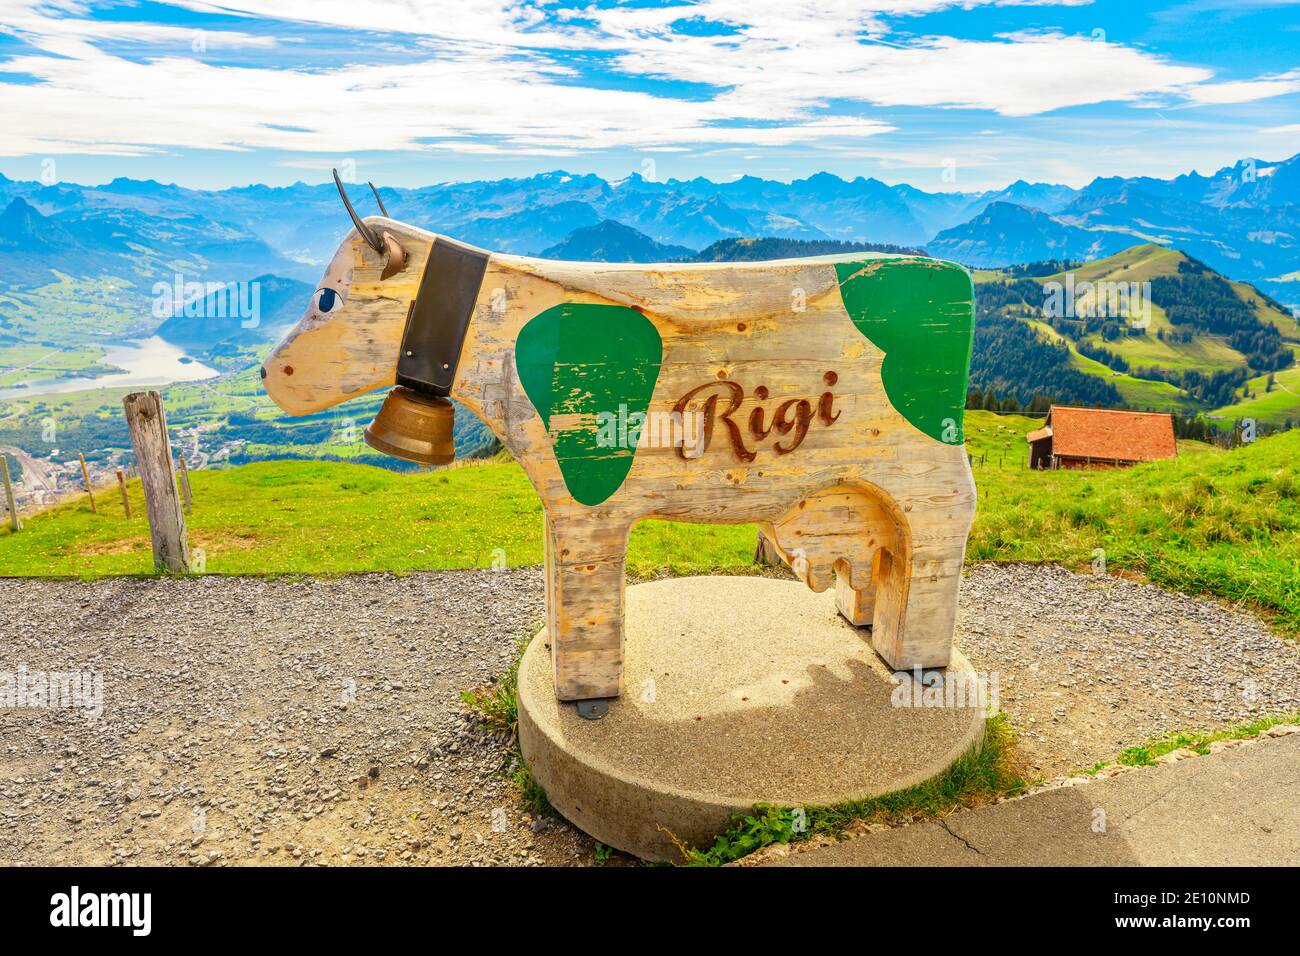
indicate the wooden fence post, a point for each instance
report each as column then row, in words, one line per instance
column 15, row 522
column 185, row 485
column 153, row 454
column 126, row 502
column 85, row 476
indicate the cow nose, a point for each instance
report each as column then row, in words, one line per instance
column 263, row 371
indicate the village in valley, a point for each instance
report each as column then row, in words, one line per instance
column 41, row 482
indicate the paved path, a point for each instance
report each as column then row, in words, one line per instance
column 1238, row 807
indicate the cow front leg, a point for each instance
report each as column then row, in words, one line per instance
column 585, row 560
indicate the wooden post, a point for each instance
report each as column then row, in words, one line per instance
column 15, row 522
column 153, row 454
column 85, row 476
column 126, row 502
column 765, row 552
column 185, row 485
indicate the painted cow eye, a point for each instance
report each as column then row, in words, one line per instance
column 326, row 300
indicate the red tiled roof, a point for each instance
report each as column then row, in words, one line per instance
column 1110, row 434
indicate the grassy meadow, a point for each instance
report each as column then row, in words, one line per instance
column 1210, row 522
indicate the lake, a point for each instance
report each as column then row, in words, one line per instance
column 144, row 363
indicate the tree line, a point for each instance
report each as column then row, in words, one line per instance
column 1203, row 300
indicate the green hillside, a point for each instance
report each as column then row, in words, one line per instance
column 1192, row 360
column 1142, row 264
column 1213, row 522
column 1135, row 392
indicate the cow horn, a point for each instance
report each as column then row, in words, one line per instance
column 378, row 200
column 367, row 233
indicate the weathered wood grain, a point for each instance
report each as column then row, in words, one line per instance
column 121, row 486
column 147, row 422
column 85, row 477
column 187, row 495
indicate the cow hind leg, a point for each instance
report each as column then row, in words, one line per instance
column 857, row 604
column 856, row 538
column 916, row 607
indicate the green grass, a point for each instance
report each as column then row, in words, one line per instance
column 1205, row 352
column 1220, row 524
column 497, row 705
column 1146, row 754
column 1275, row 407
column 980, row 777
column 38, row 363
column 1136, row 392
column 294, row 517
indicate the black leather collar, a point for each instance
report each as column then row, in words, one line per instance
column 438, row 319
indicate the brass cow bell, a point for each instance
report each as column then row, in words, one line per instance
column 414, row 427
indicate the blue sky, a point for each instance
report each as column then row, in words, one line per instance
column 946, row 96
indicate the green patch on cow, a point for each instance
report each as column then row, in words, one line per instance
column 584, row 360
column 920, row 313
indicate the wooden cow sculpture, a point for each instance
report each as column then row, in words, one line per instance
column 819, row 398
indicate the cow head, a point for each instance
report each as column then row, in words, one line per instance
column 347, row 341
column 393, row 307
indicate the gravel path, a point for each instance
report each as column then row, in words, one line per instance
column 1089, row 665
column 318, row 721
column 268, row 721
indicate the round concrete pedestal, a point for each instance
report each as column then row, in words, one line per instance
column 737, row 691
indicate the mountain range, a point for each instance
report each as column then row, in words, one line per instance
column 81, row 265
column 1243, row 220
column 243, row 314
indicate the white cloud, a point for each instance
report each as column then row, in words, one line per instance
column 96, row 101
column 491, row 77
column 1245, row 91
column 1018, row 75
column 56, row 34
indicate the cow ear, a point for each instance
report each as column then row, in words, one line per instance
column 580, row 364
column 396, row 256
